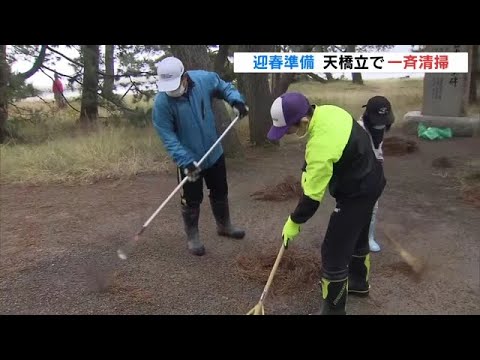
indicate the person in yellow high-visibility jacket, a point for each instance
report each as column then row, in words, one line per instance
column 339, row 157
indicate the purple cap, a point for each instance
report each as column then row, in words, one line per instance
column 287, row 110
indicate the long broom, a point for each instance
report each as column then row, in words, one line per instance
column 259, row 308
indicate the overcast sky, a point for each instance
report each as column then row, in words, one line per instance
column 41, row 81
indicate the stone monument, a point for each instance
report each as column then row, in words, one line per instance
column 444, row 100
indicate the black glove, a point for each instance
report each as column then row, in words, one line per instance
column 242, row 108
column 192, row 171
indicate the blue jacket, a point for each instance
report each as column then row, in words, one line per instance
column 186, row 125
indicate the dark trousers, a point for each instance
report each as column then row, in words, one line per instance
column 347, row 235
column 216, row 180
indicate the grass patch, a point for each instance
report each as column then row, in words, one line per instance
column 106, row 153
column 404, row 94
column 49, row 147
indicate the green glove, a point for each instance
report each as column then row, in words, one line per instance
column 290, row 231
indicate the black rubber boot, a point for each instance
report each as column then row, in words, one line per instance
column 358, row 273
column 334, row 294
column 190, row 219
column 221, row 212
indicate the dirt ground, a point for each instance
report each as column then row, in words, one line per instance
column 58, row 243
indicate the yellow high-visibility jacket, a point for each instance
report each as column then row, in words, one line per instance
column 339, row 156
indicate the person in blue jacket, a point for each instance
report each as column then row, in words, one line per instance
column 184, row 120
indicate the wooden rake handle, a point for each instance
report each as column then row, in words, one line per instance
column 272, row 274
column 259, row 309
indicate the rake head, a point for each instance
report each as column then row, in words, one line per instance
column 257, row 310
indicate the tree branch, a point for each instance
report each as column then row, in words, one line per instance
column 65, row 56
column 136, row 73
column 36, row 65
column 287, row 78
column 99, row 89
column 74, row 78
column 48, row 104
column 126, row 92
column 220, row 59
column 136, row 87
column 127, row 74
column 19, row 108
column 317, row 78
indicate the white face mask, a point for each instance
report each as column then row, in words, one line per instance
column 177, row 93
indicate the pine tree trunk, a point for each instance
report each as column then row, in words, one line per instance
column 195, row 57
column 4, row 71
column 284, row 81
column 259, row 99
column 109, row 71
column 89, row 104
column 356, row 77
column 275, row 79
column 221, row 59
column 475, row 74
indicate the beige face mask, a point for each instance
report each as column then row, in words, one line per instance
column 303, row 125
